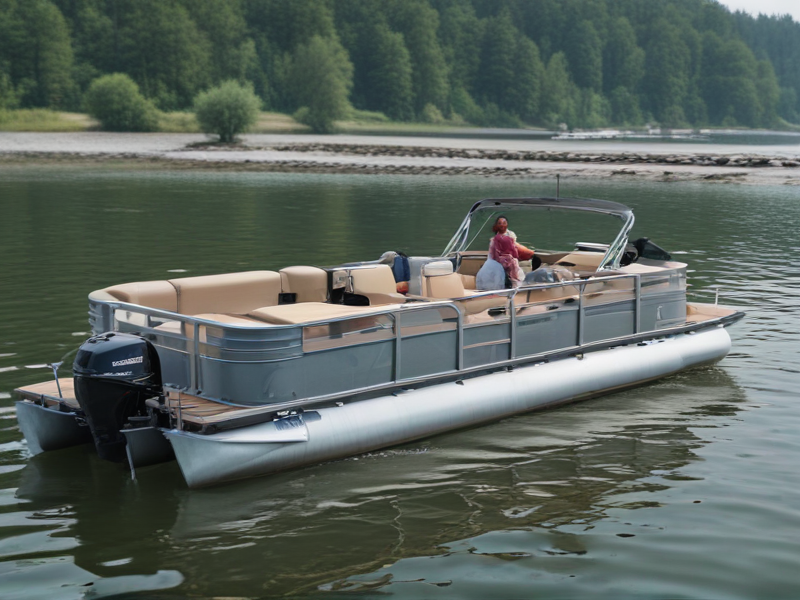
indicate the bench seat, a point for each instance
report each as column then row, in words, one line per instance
column 309, row 312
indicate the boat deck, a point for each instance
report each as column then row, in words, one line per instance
column 46, row 393
column 203, row 412
column 192, row 409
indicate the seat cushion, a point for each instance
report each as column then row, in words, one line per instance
column 231, row 293
column 378, row 279
column 377, row 284
column 153, row 294
column 310, row 284
column 468, row 281
column 307, row 312
column 437, row 268
column 444, row 286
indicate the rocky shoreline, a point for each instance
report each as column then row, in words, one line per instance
column 706, row 160
column 362, row 155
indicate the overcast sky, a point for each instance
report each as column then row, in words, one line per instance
column 769, row 7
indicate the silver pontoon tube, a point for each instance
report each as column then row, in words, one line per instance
column 47, row 429
column 367, row 425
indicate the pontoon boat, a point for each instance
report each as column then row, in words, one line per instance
column 245, row 374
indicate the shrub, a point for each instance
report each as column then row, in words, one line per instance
column 464, row 105
column 116, row 102
column 431, row 114
column 227, row 110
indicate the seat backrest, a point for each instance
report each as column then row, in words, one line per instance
column 310, row 284
column 378, row 279
column 233, row 293
column 444, row 286
column 439, row 281
column 153, row 294
column 468, row 281
column 376, row 283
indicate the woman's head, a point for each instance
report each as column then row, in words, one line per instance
column 500, row 225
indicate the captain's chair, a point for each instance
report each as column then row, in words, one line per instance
column 375, row 282
column 440, row 282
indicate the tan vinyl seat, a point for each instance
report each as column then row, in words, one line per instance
column 376, row 283
column 438, row 283
column 153, row 294
column 308, row 312
column 230, row 293
column 548, row 294
column 468, row 281
column 310, row 284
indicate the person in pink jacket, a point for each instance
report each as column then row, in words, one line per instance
column 503, row 249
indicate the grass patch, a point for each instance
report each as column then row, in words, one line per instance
column 367, row 116
column 41, row 119
column 272, row 122
column 177, row 122
column 784, row 125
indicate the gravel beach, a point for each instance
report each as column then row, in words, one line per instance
column 776, row 165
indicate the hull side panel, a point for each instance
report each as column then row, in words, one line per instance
column 367, row 425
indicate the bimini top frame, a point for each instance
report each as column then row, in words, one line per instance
column 612, row 257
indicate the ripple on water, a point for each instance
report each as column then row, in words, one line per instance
column 611, row 498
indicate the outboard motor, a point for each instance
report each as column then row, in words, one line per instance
column 114, row 374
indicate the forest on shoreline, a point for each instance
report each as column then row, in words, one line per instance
column 498, row 63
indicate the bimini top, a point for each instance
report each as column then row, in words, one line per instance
column 605, row 207
column 616, row 249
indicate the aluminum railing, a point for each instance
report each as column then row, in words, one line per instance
column 395, row 312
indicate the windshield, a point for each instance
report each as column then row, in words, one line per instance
column 555, row 224
column 541, row 228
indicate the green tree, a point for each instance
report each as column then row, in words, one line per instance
column 496, row 75
column 769, row 94
column 233, row 54
column 39, row 52
column 418, row 22
column 465, row 106
column 116, row 102
column 558, row 93
column 461, row 34
column 585, row 56
column 623, row 59
column 666, row 80
column 389, row 80
column 787, row 103
column 227, row 110
column 526, row 91
column 778, row 39
column 625, row 108
column 8, row 95
column 289, row 23
column 729, row 76
column 93, row 39
column 321, row 76
column 162, row 49
column 593, row 110
column 277, row 27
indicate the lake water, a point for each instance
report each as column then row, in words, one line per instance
column 686, row 488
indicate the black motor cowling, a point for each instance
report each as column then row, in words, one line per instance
column 114, row 374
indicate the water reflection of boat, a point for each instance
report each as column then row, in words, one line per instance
column 405, row 503
column 72, row 512
column 250, row 373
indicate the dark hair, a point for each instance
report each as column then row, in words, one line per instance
column 494, row 227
